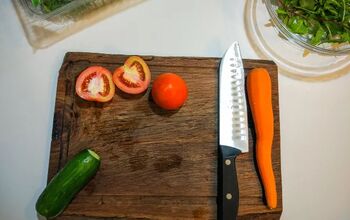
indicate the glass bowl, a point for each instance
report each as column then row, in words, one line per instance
column 293, row 60
column 325, row 48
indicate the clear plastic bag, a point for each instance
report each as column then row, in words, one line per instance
column 44, row 27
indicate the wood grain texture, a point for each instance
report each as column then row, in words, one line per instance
column 156, row 164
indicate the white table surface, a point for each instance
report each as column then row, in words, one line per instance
column 315, row 117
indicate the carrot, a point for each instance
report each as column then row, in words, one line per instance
column 259, row 95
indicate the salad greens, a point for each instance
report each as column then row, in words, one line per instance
column 50, row 5
column 320, row 21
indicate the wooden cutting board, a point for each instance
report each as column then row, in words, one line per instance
column 155, row 164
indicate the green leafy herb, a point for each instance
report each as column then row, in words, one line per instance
column 320, row 21
column 35, row 3
column 50, row 5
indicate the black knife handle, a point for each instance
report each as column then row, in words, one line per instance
column 228, row 194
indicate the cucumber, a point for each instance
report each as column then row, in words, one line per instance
column 67, row 183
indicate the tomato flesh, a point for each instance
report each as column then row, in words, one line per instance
column 169, row 91
column 133, row 77
column 95, row 84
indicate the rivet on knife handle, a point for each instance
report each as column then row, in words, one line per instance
column 228, row 194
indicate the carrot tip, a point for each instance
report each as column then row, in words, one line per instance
column 272, row 206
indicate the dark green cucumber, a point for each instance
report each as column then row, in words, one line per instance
column 67, row 183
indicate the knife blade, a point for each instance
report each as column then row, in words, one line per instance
column 233, row 130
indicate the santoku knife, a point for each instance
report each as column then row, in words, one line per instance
column 233, row 130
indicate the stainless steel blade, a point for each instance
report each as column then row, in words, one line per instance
column 233, row 123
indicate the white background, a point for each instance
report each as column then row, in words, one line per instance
column 315, row 117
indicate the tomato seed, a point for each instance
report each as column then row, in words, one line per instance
column 128, row 83
column 139, row 70
column 106, row 87
column 86, row 82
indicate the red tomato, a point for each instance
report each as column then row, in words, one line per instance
column 169, row 91
column 133, row 77
column 95, row 84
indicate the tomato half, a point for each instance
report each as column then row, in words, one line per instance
column 133, row 77
column 169, row 91
column 95, row 84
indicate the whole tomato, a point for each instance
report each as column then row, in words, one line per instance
column 169, row 91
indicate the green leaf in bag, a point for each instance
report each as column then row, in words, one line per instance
column 35, row 3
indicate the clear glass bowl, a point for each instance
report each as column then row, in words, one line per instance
column 325, row 48
column 292, row 59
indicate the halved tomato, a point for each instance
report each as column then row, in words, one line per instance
column 95, row 84
column 133, row 77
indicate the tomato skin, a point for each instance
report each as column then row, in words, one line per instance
column 169, row 91
column 100, row 80
column 133, row 77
